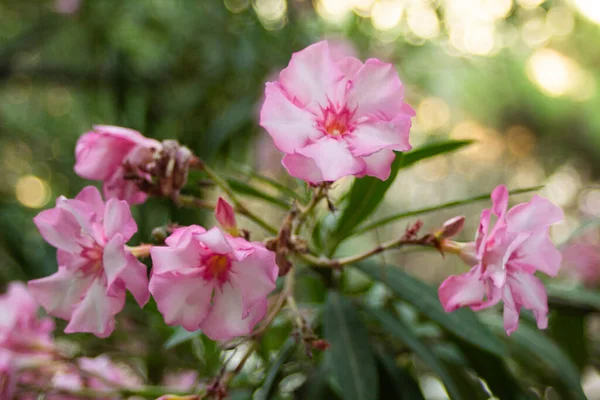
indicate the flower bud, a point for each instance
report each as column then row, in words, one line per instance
column 451, row 228
column 225, row 215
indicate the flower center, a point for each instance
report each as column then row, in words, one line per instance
column 337, row 122
column 94, row 256
column 217, row 267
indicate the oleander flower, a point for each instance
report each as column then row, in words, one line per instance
column 504, row 261
column 581, row 260
column 95, row 267
column 21, row 330
column 212, row 281
column 110, row 154
column 8, row 379
column 334, row 118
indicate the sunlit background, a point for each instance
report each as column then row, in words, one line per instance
column 521, row 78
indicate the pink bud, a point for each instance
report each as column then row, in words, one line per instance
column 226, row 217
column 452, row 227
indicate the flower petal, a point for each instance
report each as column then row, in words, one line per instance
column 376, row 90
column 118, row 219
column 135, row 277
column 303, row 168
column 529, row 292
column 116, row 186
column 534, row 215
column 511, row 311
column 91, row 196
column 291, row 127
column 226, row 318
column 180, row 235
column 99, row 155
column 59, row 228
column 379, row 164
column 255, row 275
column 312, row 76
column 182, row 299
column 114, row 259
column 59, row 293
column 183, row 257
column 215, row 240
column 462, row 290
column 372, row 136
column 96, row 311
column 333, row 158
column 499, row 201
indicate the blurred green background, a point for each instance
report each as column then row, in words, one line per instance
column 520, row 77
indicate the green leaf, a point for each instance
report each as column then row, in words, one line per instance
column 368, row 192
column 450, row 204
column 283, row 189
column 462, row 323
column 495, row 373
column 578, row 298
column 269, row 386
column 352, row 360
column 316, row 386
column 396, row 383
column 398, row 329
column 247, row 190
column 180, row 335
column 568, row 331
column 536, row 351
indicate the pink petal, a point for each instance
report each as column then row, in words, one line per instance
column 59, row 228
column 183, row 234
column 182, row 299
column 215, row 241
column 114, row 259
column 116, row 186
column 255, row 275
column 534, row 215
column 291, row 127
column 333, row 158
column 511, row 311
column 529, row 292
column 59, row 293
column 376, row 91
column 184, row 257
column 493, row 294
column 312, row 76
column 499, row 201
column 135, row 277
column 98, row 155
column 118, row 219
column 462, row 290
column 349, row 66
column 96, row 311
column 91, row 196
column 372, row 136
column 226, row 318
column 225, row 215
column 482, row 232
column 379, row 164
column 127, row 134
column 303, row 168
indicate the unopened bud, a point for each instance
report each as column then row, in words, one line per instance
column 225, row 216
column 466, row 251
column 320, row 344
column 451, row 228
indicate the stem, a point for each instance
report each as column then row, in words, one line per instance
column 239, row 205
column 340, row 262
column 225, row 381
column 140, row 251
column 194, row 202
column 308, row 210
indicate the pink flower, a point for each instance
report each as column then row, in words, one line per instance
column 504, row 260
column 336, row 118
column 181, row 381
column 582, row 260
column 94, row 265
column 8, row 379
column 212, row 281
column 107, row 153
column 106, row 375
column 21, row 331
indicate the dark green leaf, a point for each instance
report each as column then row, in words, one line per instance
column 269, row 386
column 462, row 323
column 395, row 327
column 316, row 387
column 353, row 362
column 180, row 335
column 396, row 383
column 283, row 189
column 247, row 190
column 368, row 192
column 529, row 345
column 578, row 298
column 568, row 331
column 451, row 204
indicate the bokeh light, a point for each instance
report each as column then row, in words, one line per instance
column 32, row 191
column 589, row 9
column 386, row 14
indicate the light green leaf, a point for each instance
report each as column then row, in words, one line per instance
column 269, row 386
column 368, row 192
column 578, row 298
column 180, row 335
column 462, row 323
column 247, row 190
column 426, row 210
column 352, row 360
column 398, row 329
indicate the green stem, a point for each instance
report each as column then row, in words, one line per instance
column 319, row 194
column 151, row 392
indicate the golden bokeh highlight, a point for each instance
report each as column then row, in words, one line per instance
column 488, row 144
column 32, row 191
column 271, row 13
column 589, row 9
column 423, row 21
column 520, row 140
column 386, row 14
column 433, row 113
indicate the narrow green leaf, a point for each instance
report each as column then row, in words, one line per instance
column 353, row 362
column 568, row 331
column 426, row 210
column 283, row 189
column 398, row 329
column 578, row 298
column 269, row 386
column 368, row 192
column 180, row 335
column 316, row 386
column 247, row 190
column 462, row 323
column 531, row 346
column 396, row 383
